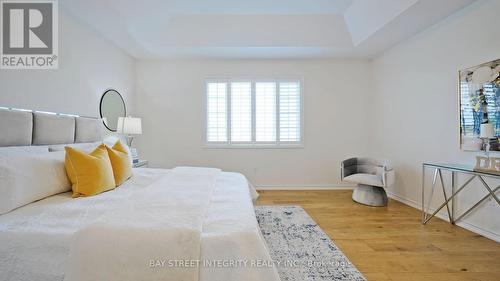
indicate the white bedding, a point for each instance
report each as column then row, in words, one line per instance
column 38, row 241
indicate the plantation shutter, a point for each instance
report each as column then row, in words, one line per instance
column 289, row 111
column 265, row 111
column 217, row 112
column 241, row 112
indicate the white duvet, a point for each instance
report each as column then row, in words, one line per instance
column 154, row 227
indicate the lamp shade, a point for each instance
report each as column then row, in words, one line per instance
column 487, row 131
column 129, row 126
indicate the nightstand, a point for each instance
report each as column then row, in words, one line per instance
column 141, row 164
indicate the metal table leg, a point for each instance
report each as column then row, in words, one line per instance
column 424, row 211
column 453, row 188
column 423, row 193
column 445, row 196
column 451, row 198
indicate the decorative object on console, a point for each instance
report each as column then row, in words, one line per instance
column 479, row 97
column 487, row 164
column 130, row 126
column 111, row 107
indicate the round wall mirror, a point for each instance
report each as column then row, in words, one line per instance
column 111, row 107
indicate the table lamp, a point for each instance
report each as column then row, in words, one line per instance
column 129, row 126
column 487, row 133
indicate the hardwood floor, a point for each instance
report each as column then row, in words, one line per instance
column 390, row 243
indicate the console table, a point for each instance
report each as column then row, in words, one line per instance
column 450, row 199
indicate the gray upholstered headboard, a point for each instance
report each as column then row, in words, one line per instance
column 25, row 128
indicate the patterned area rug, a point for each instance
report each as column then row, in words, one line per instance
column 300, row 248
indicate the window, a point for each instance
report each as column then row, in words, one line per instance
column 251, row 113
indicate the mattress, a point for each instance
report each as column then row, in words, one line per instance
column 35, row 239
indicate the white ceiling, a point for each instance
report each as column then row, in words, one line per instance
column 151, row 29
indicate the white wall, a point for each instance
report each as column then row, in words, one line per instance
column 88, row 64
column 335, row 109
column 415, row 110
column 408, row 113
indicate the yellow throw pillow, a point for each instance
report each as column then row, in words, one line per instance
column 120, row 160
column 90, row 174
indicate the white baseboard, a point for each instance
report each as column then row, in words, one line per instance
column 442, row 215
column 306, row 187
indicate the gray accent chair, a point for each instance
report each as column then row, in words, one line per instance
column 372, row 176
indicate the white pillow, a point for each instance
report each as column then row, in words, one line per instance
column 86, row 147
column 24, row 149
column 28, row 177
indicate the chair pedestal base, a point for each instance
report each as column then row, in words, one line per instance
column 370, row 195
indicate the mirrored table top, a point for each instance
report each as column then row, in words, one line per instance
column 461, row 167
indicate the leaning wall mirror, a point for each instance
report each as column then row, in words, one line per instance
column 479, row 99
column 112, row 106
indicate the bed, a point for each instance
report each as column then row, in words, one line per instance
column 184, row 223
